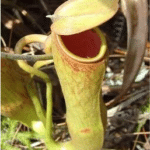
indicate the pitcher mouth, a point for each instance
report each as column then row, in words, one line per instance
column 88, row 46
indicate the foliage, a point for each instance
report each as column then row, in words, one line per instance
column 144, row 110
column 9, row 134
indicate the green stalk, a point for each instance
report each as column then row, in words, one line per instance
column 34, row 71
column 49, row 124
column 39, row 110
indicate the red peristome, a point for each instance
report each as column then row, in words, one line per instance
column 85, row 44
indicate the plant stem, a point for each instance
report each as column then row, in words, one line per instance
column 39, row 110
column 25, row 57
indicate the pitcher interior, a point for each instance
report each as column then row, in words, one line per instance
column 85, row 44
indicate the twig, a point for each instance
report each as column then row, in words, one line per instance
column 145, row 115
column 135, row 142
column 40, row 147
column 124, row 53
column 118, row 51
column 146, row 139
column 147, row 59
column 106, row 88
column 17, row 14
column 117, row 56
column 138, row 133
column 16, row 134
column 58, row 138
column 10, row 37
column 24, row 13
column 26, row 57
column 33, row 21
column 62, row 124
column 19, row 28
column 36, row 144
column 110, row 103
column 3, row 41
column 139, row 142
column 148, row 44
column 45, row 7
column 113, row 110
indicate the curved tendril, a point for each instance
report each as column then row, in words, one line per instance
column 34, row 71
